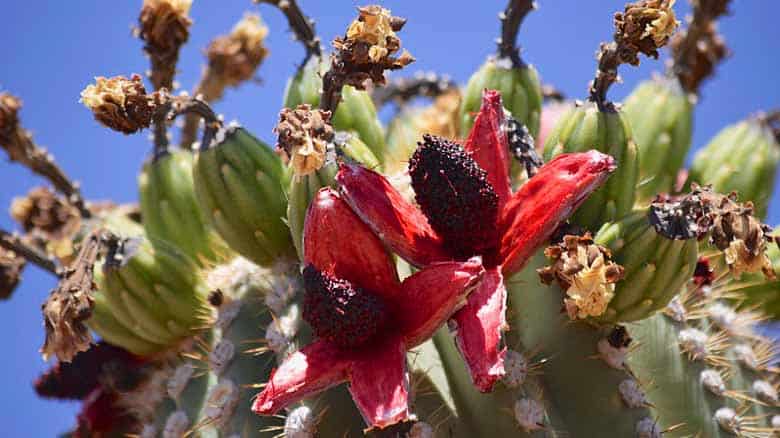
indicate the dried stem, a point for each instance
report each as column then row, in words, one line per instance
column 187, row 105
column 34, row 255
column 699, row 48
column 403, row 90
column 302, row 26
column 511, row 19
column 19, row 145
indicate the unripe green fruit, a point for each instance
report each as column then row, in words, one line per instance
column 743, row 157
column 170, row 210
column 655, row 267
column 585, row 127
column 356, row 112
column 661, row 118
column 520, row 90
column 239, row 184
column 149, row 297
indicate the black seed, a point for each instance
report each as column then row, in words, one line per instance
column 455, row 195
column 522, row 146
column 339, row 312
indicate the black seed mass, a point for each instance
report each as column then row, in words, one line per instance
column 339, row 312
column 455, row 195
column 521, row 144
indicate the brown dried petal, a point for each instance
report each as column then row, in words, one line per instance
column 304, row 135
column 164, row 26
column 120, row 103
column 41, row 210
column 69, row 305
column 234, row 58
column 644, row 27
column 9, row 118
column 11, row 267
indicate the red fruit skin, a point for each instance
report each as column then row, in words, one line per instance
column 487, row 143
column 337, row 242
column 478, row 327
column 379, row 384
column 314, row 368
column 400, row 224
column 546, row 200
column 432, row 295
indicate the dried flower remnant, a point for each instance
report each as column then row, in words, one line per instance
column 364, row 53
column 120, row 103
column 441, row 118
column 18, row 143
column 742, row 238
column 699, row 48
column 234, row 58
column 48, row 220
column 69, row 305
column 163, row 25
column 11, row 267
column 585, row 271
column 304, row 135
column 643, row 27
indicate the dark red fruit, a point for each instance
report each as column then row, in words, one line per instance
column 455, row 195
column 340, row 312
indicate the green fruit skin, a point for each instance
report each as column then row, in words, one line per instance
column 401, row 142
column 743, row 158
column 155, row 298
column 656, row 268
column 661, row 119
column 356, row 112
column 239, row 184
column 170, row 210
column 584, row 127
column 521, row 93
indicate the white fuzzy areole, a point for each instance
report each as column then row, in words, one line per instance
column 179, row 379
column 300, row 423
column 727, row 419
column 723, row 316
column 694, row 342
column 632, row 393
column 220, row 357
column 746, row 356
column 516, row 367
column 421, row 429
column 676, row 310
column 713, row 381
column 765, row 392
column 221, row 401
column 176, row 425
column 647, row 428
column 529, row 414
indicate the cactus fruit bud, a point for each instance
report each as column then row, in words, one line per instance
column 163, row 25
column 239, row 185
column 11, row 267
column 519, row 87
column 743, row 158
column 661, row 117
column 234, row 58
column 170, row 210
column 585, row 127
column 356, row 112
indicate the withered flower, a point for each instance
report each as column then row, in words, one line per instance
column 120, row 103
column 11, row 266
column 234, row 58
column 644, row 27
column 441, row 118
column 9, row 119
column 69, row 305
column 585, row 271
column 164, row 26
column 48, row 220
column 304, row 135
column 742, row 238
column 364, row 53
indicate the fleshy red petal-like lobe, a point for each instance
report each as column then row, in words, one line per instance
column 379, row 384
column 336, row 241
column 488, row 145
column 430, row 297
column 400, row 224
column 478, row 330
column 314, row 368
column 546, row 200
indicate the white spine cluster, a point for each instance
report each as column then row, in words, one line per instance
column 220, row 357
column 178, row 381
column 516, row 367
column 529, row 414
column 221, row 402
column 694, row 342
column 713, row 381
column 632, row 394
column 176, row 425
column 648, row 428
column 300, row 423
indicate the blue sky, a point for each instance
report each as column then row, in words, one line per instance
column 51, row 50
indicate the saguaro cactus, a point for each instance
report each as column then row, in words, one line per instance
column 435, row 279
